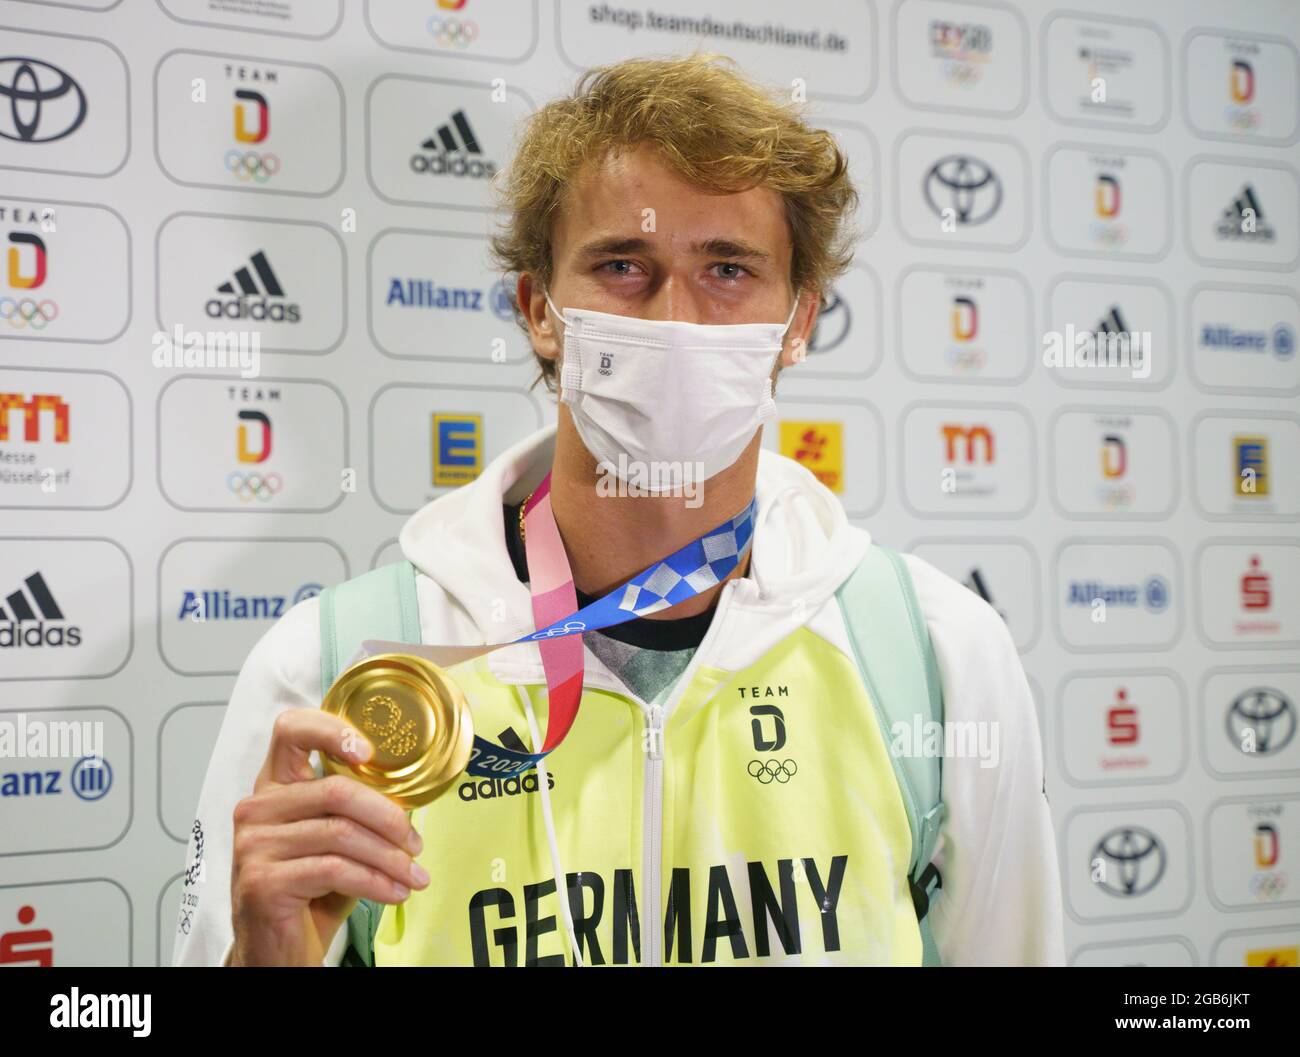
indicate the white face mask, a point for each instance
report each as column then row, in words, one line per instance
column 670, row 402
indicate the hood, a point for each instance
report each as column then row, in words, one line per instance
column 804, row 546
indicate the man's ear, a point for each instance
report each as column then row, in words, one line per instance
column 543, row 331
column 795, row 348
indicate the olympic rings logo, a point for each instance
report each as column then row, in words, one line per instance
column 249, row 165
column 569, row 628
column 452, row 31
column 254, row 485
column 24, row 312
column 773, row 771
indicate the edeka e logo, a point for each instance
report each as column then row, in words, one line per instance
column 218, row 604
column 453, row 150
column 30, row 618
column 457, row 448
column 964, row 189
column 1250, row 458
column 39, row 102
column 818, row 446
column 254, row 293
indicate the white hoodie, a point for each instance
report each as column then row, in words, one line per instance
column 1001, row 894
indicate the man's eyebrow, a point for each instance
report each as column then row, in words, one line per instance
column 718, row 247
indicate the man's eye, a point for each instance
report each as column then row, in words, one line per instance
column 731, row 270
column 619, row 267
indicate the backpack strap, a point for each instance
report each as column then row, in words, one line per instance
column 894, row 654
column 380, row 604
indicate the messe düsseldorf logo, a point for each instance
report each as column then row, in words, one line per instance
column 1128, row 861
column 254, row 293
column 453, row 150
column 30, row 410
column 1260, row 720
column 45, row 102
column 963, row 188
column 30, row 618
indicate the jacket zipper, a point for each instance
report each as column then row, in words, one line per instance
column 653, row 812
column 653, row 823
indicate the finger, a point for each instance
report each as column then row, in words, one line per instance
column 321, row 875
column 334, row 835
column 298, row 732
column 334, row 795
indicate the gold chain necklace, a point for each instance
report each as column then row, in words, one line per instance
column 522, row 507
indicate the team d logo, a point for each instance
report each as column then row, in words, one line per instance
column 30, row 618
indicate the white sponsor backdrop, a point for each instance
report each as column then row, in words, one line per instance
column 317, row 172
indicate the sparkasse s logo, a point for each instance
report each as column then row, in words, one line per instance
column 30, row 618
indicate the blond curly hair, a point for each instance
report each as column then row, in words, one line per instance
column 711, row 126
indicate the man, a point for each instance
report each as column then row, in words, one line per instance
column 727, row 793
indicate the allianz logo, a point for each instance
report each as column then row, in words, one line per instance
column 89, row 779
column 200, row 607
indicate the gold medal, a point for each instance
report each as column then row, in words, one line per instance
column 416, row 717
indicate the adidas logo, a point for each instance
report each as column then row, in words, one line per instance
column 1244, row 219
column 24, row 614
column 250, row 294
column 453, row 150
column 1112, row 322
column 495, row 788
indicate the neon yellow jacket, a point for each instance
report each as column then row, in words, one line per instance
column 673, row 848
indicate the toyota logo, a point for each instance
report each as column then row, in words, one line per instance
column 1132, row 861
column 45, row 103
column 966, row 186
column 1267, row 714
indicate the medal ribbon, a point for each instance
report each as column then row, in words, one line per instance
column 696, row 567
